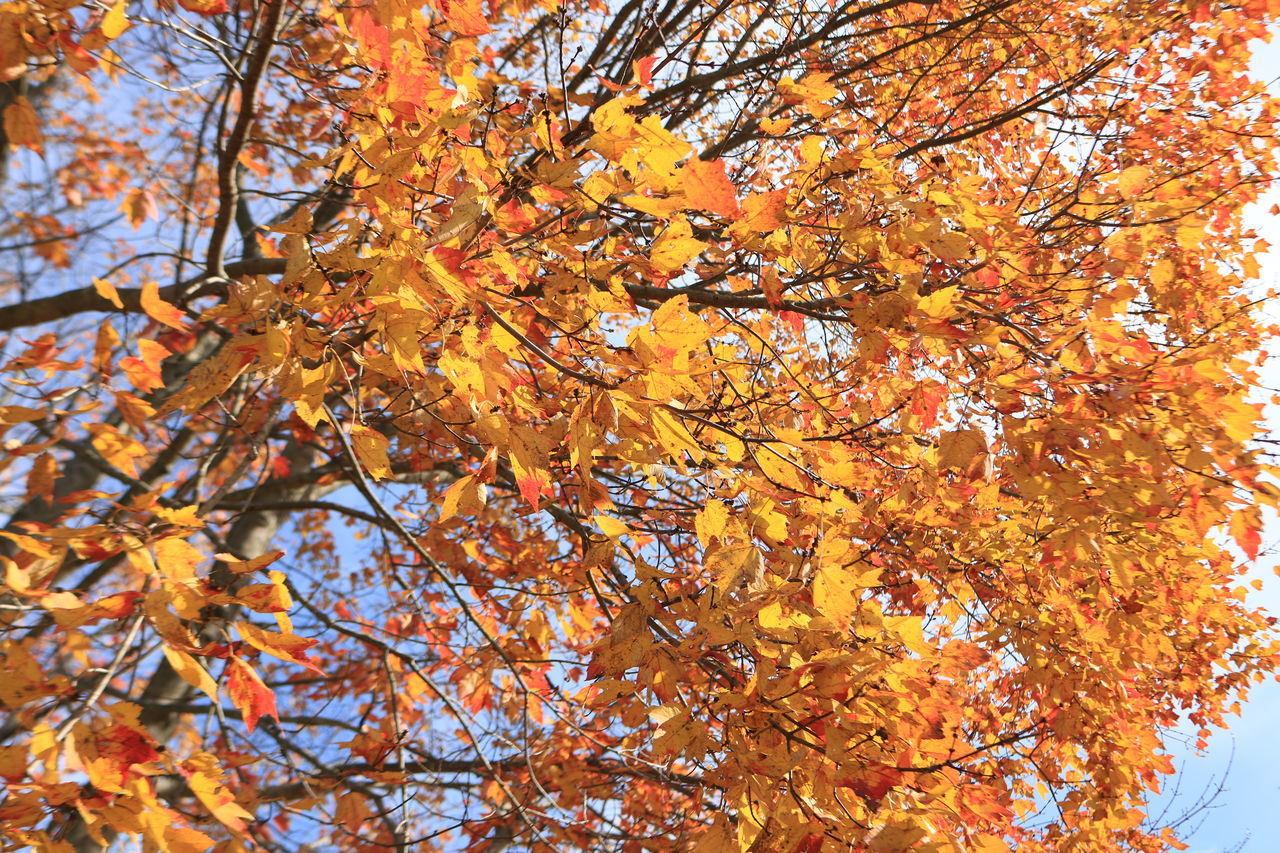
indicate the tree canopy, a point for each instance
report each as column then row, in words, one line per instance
column 731, row 425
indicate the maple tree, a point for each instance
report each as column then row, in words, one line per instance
column 769, row 426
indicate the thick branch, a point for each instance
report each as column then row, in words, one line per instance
column 432, row 764
column 229, row 159
column 87, row 299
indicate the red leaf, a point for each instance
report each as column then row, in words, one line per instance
column 126, row 746
column 644, row 71
column 794, row 320
column 1246, row 529
column 874, row 782
column 374, row 39
column 250, row 695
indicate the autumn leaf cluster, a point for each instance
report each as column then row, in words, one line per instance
column 724, row 426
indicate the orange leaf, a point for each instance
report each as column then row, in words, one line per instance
column 243, row 567
column 204, row 7
column 107, row 291
column 286, row 647
column 159, row 310
column 21, row 126
column 1132, row 181
column 763, row 211
column 465, row 17
column 708, row 188
column 144, row 372
column 139, row 205
column 265, row 597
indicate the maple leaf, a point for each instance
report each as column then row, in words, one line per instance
column 465, row 17
column 707, row 187
column 644, row 71
column 246, row 690
column 286, row 647
column 1132, row 180
column 158, row 309
column 371, row 449
column 204, row 7
column 204, row 779
column 764, row 211
column 139, row 206
column 1246, row 529
column 772, row 426
column 675, row 247
column 115, row 22
column 21, row 125
column 143, row 370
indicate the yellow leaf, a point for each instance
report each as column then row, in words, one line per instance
column 910, row 632
column 184, row 839
column 107, row 291
column 187, row 516
column 775, row 126
column 244, row 567
column 987, row 844
column 191, row 671
column 735, row 564
column 177, row 558
column 836, row 591
column 611, row 527
column 812, row 91
column 204, row 778
column 950, row 246
column 940, row 304
column 711, row 521
column 774, row 618
column 114, row 22
column 117, row 449
column 675, row 247
column 14, row 577
column 1132, row 180
column 673, row 436
column 677, row 328
column 371, row 449
column 619, row 137
column 659, row 208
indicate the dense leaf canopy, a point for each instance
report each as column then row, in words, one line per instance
column 730, row 425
